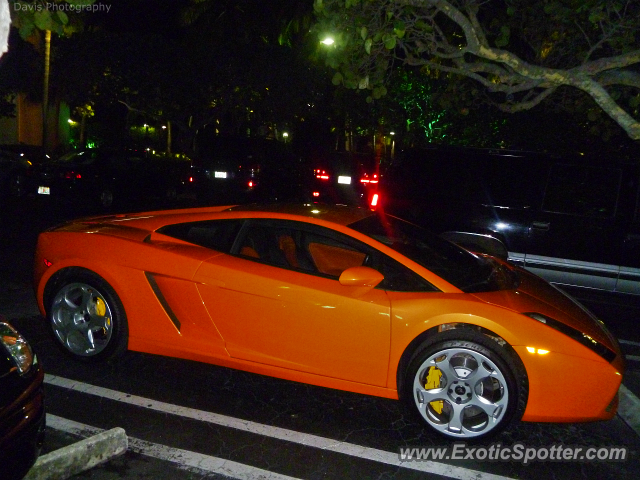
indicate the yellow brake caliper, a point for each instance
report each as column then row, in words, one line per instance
column 101, row 310
column 433, row 381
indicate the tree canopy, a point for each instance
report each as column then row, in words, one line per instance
column 582, row 53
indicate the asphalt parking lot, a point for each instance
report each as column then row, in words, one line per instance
column 190, row 420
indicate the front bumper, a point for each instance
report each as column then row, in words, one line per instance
column 22, row 427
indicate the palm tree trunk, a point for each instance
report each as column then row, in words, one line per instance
column 45, row 94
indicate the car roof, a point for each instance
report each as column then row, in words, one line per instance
column 152, row 220
column 340, row 214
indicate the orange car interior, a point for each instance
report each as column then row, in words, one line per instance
column 281, row 249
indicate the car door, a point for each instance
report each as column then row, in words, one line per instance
column 576, row 238
column 277, row 301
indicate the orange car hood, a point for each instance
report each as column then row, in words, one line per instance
column 536, row 295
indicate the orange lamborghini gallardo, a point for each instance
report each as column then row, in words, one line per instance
column 334, row 296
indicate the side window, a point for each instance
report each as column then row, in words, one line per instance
column 300, row 247
column 398, row 278
column 513, row 182
column 332, row 257
column 582, row 191
column 217, row 234
column 274, row 244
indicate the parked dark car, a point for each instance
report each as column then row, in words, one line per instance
column 343, row 178
column 106, row 176
column 14, row 167
column 16, row 164
column 573, row 221
column 244, row 170
column 22, row 409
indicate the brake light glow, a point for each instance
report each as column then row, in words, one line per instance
column 366, row 180
column 250, row 184
column 316, row 194
column 321, row 174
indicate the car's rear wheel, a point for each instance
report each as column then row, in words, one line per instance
column 464, row 385
column 87, row 318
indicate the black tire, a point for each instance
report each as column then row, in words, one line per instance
column 485, row 385
column 86, row 317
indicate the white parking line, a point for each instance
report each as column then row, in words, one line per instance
column 195, row 462
column 306, row 439
column 629, row 342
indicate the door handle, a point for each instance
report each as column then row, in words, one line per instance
column 541, row 225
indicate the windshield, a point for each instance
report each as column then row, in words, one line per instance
column 461, row 268
column 78, row 158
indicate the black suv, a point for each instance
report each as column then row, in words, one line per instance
column 573, row 221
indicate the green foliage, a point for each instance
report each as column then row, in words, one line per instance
column 58, row 16
column 543, row 36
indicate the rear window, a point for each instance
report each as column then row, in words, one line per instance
column 216, row 235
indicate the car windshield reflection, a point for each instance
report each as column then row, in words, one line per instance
column 461, row 268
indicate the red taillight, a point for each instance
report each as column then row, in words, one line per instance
column 72, row 174
column 47, row 262
column 374, row 200
column 366, row 180
column 190, row 179
column 316, row 194
column 250, row 184
column 321, row 174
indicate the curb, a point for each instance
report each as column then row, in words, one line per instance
column 629, row 409
column 80, row 456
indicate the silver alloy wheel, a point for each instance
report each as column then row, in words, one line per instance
column 81, row 319
column 461, row 392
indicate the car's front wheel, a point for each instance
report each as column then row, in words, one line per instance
column 87, row 318
column 464, row 385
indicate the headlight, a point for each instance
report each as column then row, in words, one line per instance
column 17, row 347
column 580, row 337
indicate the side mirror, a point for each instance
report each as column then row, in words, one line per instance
column 477, row 242
column 360, row 277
